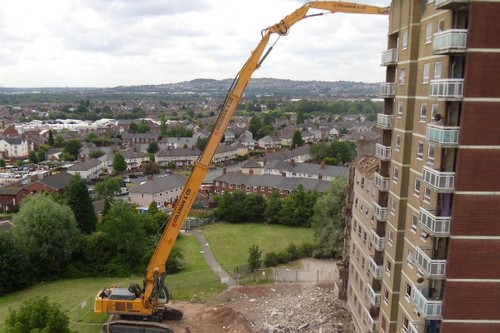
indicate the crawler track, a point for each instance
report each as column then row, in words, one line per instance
column 131, row 326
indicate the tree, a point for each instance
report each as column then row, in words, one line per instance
column 123, row 230
column 37, row 315
column 119, row 163
column 201, row 143
column 319, row 152
column 163, row 125
column 77, row 194
column 15, row 273
column 72, row 148
column 59, row 141
column 50, row 140
column 300, row 117
column 2, row 163
column 254, row 206
column 133, row 127
column 150, row 168
column 107, row 188
column 153, row 147
column 255, row 125
column 254, row 257
column 48, row 232
column 329, row 221
column 297, row 140
column 273, row 208
column 32, row 156
column 143, row 127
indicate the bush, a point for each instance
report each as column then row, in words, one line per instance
column 293, row 251
column 271, row 259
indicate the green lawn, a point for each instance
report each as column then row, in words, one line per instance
column 230, row 242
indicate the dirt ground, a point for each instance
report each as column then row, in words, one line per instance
column 278, row 307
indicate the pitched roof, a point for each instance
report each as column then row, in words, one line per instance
column 179, row 152
column 310, row 168
column 57, row 181
column 85, row 165
column 160, row 184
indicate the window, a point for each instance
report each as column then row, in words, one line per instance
column 402, row 76
column 405, row 324
column 390, row 237
column 386, row 296
column 423, row 113
column 428, row 33
column 434, row 112
column 427, row 194
column 430, row 154
column 395, row 174
column 420, row 150
column 414, row 222
column 388, row 268
column 398, row 142
column 437, row 70
column 353, row 248
column 440, row 26
column 408, row 292
column 416, row 190
column 364, row 237
column 393, row 206
column 425, row 73
column 404, row 40
column 410, row 257
column 400, row 109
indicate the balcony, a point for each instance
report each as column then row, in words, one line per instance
column 372, row 296
column 382, row 183
column 429, row 308
column 450, row 41
column 371, row 323
column 441, row 182
column 447, row 89
column 445, row 136
column 416, row 327
column 387, row 90
column 385, row 121
column 389, row 57
column 374, row 269
column 450, row 4
column 436, row 226
column 378, row 242
column 379, row 212
column 383, row 152
column 431, row 268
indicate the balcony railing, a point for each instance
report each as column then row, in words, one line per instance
column 416, row 327
column 383, row 152
column 385, row 121
column 441, row 182
column 369, row 321
column 436, row 226
column 374, row 269
column 446, row 136
column 450, row 4
column 382, row 183
column 432, row 268
column 378, row 242
column 429, row 309
column 387, row 89
column 389, row 57
column 379, row 212
column 450, row 41
column 372, row 295
column 449, row 89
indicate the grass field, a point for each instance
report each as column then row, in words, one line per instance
column 229, row 243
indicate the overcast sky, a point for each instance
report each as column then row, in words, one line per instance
column 107, row 43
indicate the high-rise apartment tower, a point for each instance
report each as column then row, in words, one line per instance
column 424, row 254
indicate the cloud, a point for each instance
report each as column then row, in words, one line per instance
column 126, row 42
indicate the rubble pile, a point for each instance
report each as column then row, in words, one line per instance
column 289, row 308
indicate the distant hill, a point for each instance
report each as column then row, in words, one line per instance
column 258, row 87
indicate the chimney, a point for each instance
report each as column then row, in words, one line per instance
column 322, row 165
column 224, row 170
column 292, row 162
column 320, row 176
column 251, row 171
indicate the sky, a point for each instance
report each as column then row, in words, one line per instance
column 109, row 43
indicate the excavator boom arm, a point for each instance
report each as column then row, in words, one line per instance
column 156, row 266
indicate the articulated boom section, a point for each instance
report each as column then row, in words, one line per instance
column 149, row 303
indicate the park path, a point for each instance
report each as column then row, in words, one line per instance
column 212, row 262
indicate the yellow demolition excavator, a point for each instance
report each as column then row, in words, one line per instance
column 143, row 309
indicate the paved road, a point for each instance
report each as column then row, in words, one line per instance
column 209, row 257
